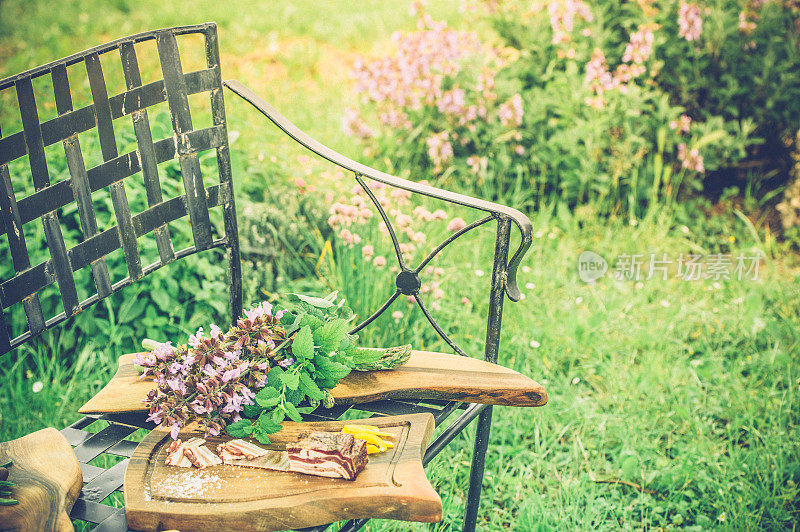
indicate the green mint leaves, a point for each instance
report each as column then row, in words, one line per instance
column 320, row 354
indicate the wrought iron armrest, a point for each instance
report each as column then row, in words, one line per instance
column 496, row 210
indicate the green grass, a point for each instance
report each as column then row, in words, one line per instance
column 687, row 390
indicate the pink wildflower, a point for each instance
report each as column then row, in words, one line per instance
column 354, row 125
column 562, row 18
column 347, row 236
column 401, row 196
column 194, row 339
column 397, row 315
column 395, row 119
column 440, row 151
column 690, row 23
column 597, row 74
column 640, row 47
column 746, row 25
column 367, row 252
column 476, row 164
column 422, row 214
column 690, row 159
column 379, row 261
column 456, row 224
column 262, row 309
column 439, row 214
column 510, row 113
column 682, row 124
column 451, row 102
column 403, row 220
column 406, row 248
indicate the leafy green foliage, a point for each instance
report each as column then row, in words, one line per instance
column 320, row 354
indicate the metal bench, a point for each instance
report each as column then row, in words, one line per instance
column 196, row 202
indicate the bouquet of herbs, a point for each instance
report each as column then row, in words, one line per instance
column 267, row 367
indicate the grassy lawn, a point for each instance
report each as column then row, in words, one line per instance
column 672, row 403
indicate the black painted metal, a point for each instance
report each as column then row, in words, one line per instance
column 91, row 511
column 437, row 328
column 408, row 282
column 452, row 431
column 101, row 441
column 105, row 483
column 376, row 313
column 492, row 351
column 500, row 211
column 49, row 197
column 114, row 523
column 147, row 155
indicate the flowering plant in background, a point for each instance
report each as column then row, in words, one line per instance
column 267, row 367
column 568, row 101
column 439, row 89
column 352, row 220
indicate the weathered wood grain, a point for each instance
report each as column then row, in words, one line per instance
column 48, row 479
column 226, row 497
column 427, row 375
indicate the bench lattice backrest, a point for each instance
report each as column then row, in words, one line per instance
column 48, row 198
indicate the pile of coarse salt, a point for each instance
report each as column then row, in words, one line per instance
column 189, row 484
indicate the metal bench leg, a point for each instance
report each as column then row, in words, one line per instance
column 476, row 471
column 499, row 274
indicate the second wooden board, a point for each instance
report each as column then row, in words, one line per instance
column 227, row 497
column 427, row 375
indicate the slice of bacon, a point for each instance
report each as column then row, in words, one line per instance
column 328, row 454
column 175, row 455
column 274, row 460
column 245, row 448
column 238, row 449
column 201, row 456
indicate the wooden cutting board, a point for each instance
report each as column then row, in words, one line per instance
column 225, row 497
column 427, row 375
column 48, row 479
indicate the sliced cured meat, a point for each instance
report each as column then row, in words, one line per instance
column 201, row 456
column 236, row 449
column 274, row 460
column 175, row 456
column 328, row 454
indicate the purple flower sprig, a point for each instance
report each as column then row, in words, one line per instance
column 216, row 375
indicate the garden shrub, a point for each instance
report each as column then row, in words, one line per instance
column 567, row 100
